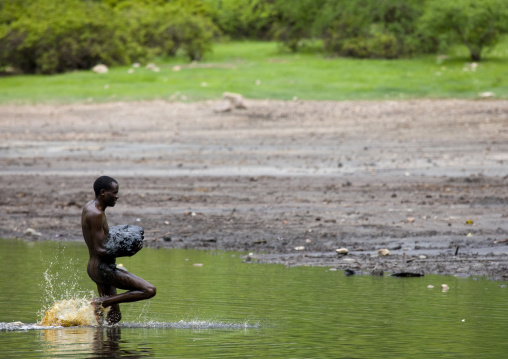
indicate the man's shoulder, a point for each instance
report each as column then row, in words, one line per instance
column 90, row 210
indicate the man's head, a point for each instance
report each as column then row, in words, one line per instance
column 106, row 188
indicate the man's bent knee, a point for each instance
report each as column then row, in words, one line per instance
column 150, row 291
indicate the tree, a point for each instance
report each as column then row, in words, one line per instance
column 476, row 24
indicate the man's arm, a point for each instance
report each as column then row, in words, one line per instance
column 98, row 235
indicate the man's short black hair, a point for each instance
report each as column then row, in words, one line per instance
column 103, row 182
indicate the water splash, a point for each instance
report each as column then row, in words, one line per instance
column 60, row 280
column 70, row 312
column 63, row 303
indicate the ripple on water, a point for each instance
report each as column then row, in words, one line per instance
column 193, row 324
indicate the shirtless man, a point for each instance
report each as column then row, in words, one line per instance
column 101, row 266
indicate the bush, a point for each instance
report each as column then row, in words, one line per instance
column 296, row 21
column 53, row 37
column 164, row 30
column 374, row 29
column 244, row 19
column 378, row 44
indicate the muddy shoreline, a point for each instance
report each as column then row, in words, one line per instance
column 287, row 182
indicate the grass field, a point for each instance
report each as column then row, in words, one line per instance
column 259, row 70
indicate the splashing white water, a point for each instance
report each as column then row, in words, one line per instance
column 70, row 312
column 63, row 303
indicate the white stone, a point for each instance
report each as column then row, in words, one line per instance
column 486, row 94
column 236, row 100
column 100, row 69
column 342, row 251
column 32, row 232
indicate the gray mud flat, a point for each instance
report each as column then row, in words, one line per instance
column 288, row 182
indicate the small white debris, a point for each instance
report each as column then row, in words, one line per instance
column 100, row 69
column 348, row 260
column 486, row 94
column 342, row 251
column 152, row 67
column 444, row 287
column 430, row 286
column 237, row 100
column 383, row 252
column 223, row 106
column 32, row 232
column 299, row 248
column 136, row 65
column 130, row 71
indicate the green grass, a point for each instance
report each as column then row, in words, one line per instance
column 258, row 70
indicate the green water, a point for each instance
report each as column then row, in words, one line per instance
column 228, row 309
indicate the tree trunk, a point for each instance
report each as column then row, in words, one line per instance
column 476, row 55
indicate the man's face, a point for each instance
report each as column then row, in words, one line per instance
column 111, row 195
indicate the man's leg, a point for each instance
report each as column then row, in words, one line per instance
column 137, row 289
column 114, row 314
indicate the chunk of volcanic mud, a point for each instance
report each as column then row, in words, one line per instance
column 124, row 241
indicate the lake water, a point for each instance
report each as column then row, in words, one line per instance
column 211, row 305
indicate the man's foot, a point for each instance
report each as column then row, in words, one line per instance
column 98, row 310
column 113, row 317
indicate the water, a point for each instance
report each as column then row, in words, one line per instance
column 210, row 305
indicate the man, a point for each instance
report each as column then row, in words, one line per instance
column 101, row 266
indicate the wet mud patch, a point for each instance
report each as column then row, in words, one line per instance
column 289, row 182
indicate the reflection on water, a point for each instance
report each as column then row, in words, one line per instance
column 99, row 342
column 225, row 308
